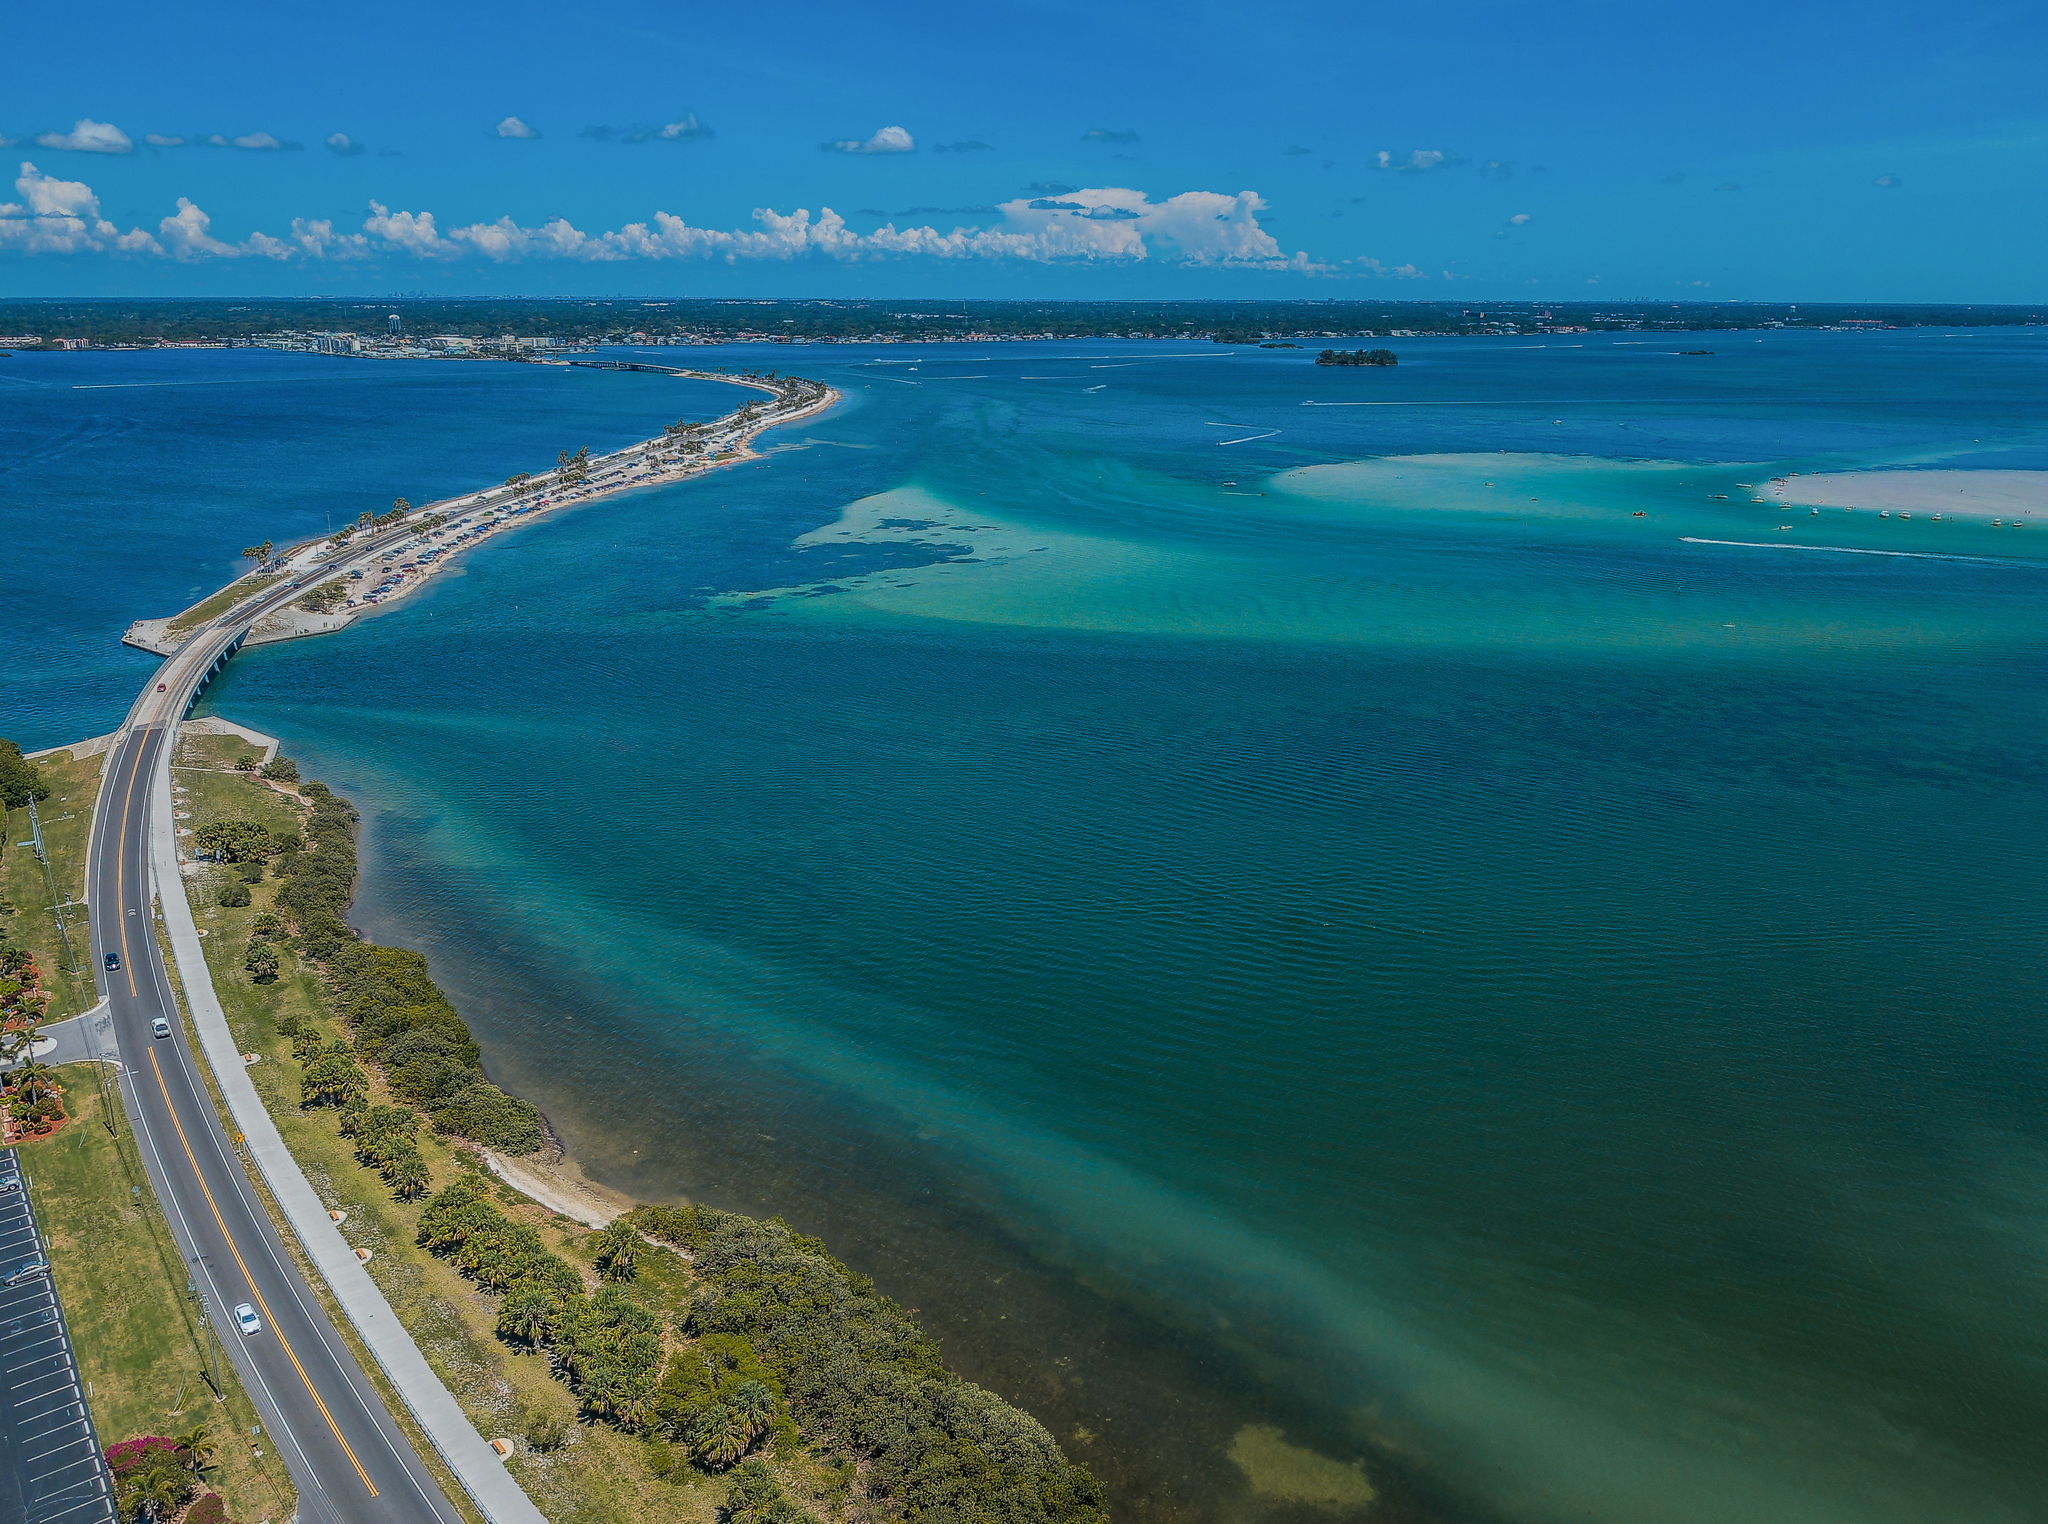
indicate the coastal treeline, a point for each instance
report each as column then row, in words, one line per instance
column 398, row 1016
column 779, row 1346
column 865, row 1382
column 1358, row 357
column 585, row 320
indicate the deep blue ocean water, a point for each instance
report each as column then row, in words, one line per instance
column 1248, row 930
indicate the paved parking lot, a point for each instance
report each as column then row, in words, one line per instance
column 50, row 1466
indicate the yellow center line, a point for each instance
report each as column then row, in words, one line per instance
column 283, row 1342
column 121, row 863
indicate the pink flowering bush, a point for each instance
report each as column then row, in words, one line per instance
column 131, row 1455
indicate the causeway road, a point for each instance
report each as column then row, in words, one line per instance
column 348, row 1458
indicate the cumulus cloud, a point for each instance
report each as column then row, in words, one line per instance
column 1365, row 264
column 1518, row 219
column 87, row 136
column 965, row 145
column 160, row 140
column 1108, row 135
column 888, row 140
column 686, row 130
column 56, row 217
column 1418, row 161
column 512, row 127
column 260, row 142
column 343, row 144
column 1099, row 225
column 1887, row 182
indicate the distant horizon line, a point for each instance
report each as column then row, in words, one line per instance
column 1060, row 301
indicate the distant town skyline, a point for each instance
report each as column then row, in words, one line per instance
column 1889, row 153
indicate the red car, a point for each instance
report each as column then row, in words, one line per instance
column 163, row 687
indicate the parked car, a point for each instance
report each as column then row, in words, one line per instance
column 246, row 1319
column 29, row 1270
column 160, row 1028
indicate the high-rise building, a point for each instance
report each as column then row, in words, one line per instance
column 391, row 323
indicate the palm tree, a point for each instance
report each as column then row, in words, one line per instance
column 616, row 1246
column 410, row 1176
column 23, row 1038
column 754, row 1405
column 719, row 1437
column 157, row 1491
column 32, row 1079
column 528, row 1315
column 195, row 1447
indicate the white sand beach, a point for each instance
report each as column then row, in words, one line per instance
column 1952, row 494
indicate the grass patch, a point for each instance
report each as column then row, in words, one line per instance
column 67, row 822
column 142, row 1346
column 219, row 603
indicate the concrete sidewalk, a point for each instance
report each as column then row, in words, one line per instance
column 476, row 1465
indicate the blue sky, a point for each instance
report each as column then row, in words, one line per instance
column 1796, row 152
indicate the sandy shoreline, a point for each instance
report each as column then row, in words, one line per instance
column 1975, row 495
column 561, row 1186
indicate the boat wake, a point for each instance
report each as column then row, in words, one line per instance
column 1853, row 550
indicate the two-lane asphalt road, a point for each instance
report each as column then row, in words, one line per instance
column 348, row 1458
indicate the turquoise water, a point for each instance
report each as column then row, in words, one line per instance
column 1346, row 930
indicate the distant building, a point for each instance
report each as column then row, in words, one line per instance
column 20, row 340
column 391, row 323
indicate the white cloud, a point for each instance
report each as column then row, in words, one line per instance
column 1417, row 162
column 258, row 140
column 1366, row 264
column 159, row 140
column 61, row 217
column 88, row 136
column 687, row 130
column 512, row 127
column 343, row 144
column 1518, row 219
column 888, row 140
column 318, row 240
column 188, row 234
column 1101, row 225
column 1887, row 182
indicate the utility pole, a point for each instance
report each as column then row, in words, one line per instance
column 35, row 834
column 209, row 1348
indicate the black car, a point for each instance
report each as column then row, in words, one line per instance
column 113, row 962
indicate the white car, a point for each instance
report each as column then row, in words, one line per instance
column 160, row 1028
column 246, row 1319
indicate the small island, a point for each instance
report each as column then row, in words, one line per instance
column 1358, row 357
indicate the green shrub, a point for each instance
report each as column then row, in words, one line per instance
column 232, row 894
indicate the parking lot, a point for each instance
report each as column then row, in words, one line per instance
column 50, row 1466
